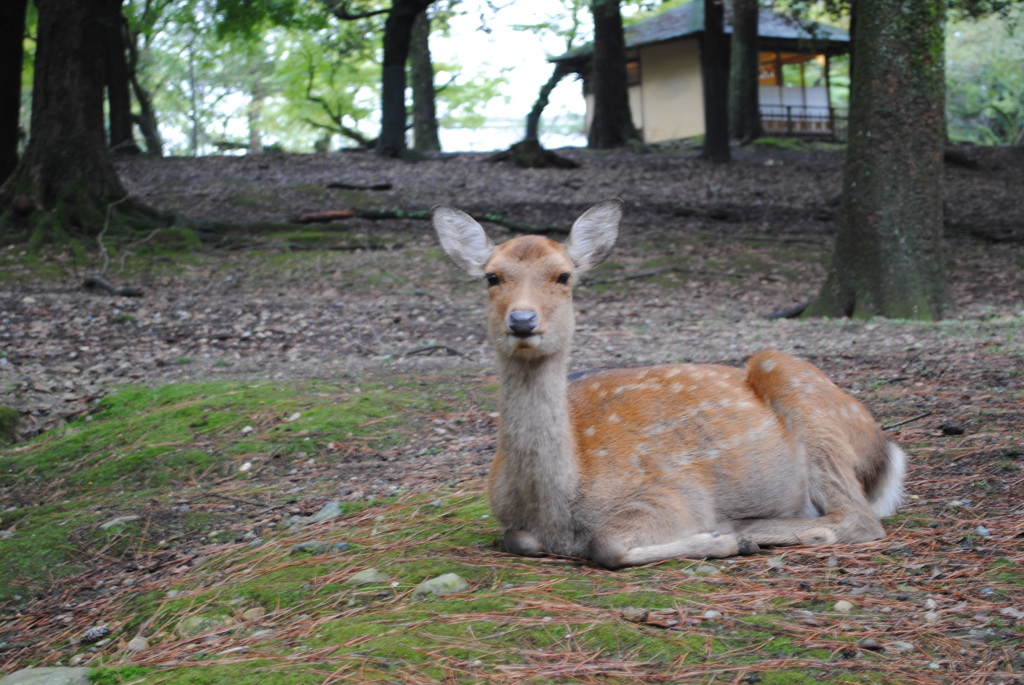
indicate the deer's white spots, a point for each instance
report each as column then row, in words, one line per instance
column 614, row 418
column 767, row 365
column 589, row 431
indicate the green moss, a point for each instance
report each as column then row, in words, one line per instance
column 9, row 418
column 256, row 672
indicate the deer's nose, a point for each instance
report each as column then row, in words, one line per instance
column 522, row 322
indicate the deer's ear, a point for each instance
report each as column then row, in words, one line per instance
column 462, row 239
column 593, row 235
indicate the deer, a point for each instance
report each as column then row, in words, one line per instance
column 631, row 466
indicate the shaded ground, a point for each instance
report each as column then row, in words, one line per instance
column 707, row 251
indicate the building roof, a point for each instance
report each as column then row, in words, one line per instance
column 687, row 20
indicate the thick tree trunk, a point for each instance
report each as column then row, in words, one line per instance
column 66, row 172
column 119, row 99
column 612, row 124
column 12, row 31
column 421, row 73
column 714, row 62
column 888, row 253
column 397, row 36
column 745, row 67
column 533, row 118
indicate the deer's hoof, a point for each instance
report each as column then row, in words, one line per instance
column 747, row 547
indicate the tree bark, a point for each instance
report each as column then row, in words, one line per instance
column 12, row 32
column 888, row 257
column 65, row 171
column 397, row 36
column 560, row 71
column 254, row 117
column 421, row 73
column 612, row 125
column 119, row 99
column 714, row 67
column 745, row 67
column 146, row 117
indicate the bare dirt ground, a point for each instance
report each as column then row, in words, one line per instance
column 706, row 253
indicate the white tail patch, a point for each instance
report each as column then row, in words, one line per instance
column 888, row 496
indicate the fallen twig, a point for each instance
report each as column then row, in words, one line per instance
column 344, row 185
column 450, row 351
column 421, row 214
column 790, row 312
column 93, row 282
column 906, row 421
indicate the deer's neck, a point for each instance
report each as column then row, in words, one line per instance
column 539, row 466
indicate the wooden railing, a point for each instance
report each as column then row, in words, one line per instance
column 809, row 122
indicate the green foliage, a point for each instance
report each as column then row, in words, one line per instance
column 224, row 72
column 985, row 81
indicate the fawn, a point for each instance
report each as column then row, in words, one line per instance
column 632, row 466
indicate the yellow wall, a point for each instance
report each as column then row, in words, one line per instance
column 670, row 101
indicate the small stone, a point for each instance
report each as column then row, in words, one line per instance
column 370, row 576
column 448, row 583
column 775, row 563
column 50, row 675
column 247, row 430
column 328, row 511
column 254, row 614
column 900, row 646
column 842, row 607
column 951, row 428
column 930, row 604
column 94, row 635
column 982, row 531
column 634, row 614
column 311, row 547
column 871, row 644
column 706, row 569
column 192, row 626
column 711, row 613
column 138, row 644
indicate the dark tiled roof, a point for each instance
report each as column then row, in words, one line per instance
column 688, row 19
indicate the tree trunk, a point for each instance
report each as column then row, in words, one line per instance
column 888, row 254
column 12, row 32
column 254, row 116
column 421, row 72
column 146, row 117
column 612, row 125
column 119, row 99
column 533, row 118
column 397, row 36
column 65, row 170
column 714, row 67
column 745, row 66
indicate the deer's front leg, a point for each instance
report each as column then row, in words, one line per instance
column 523, row 543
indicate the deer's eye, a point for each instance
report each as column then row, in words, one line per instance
column 563, row 278
column 492, row 280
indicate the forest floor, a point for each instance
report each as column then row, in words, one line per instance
column 366, row 314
